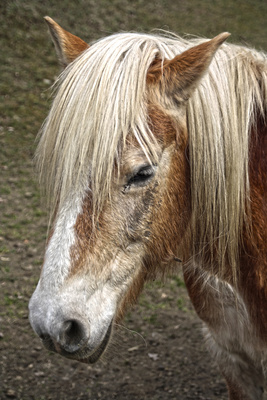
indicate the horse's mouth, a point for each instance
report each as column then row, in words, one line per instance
column 84, row 355
column 94, row 357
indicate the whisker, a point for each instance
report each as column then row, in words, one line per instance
column 131, row 331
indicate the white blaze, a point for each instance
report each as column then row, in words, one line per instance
column 57, row 261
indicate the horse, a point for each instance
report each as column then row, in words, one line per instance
column 153, row 158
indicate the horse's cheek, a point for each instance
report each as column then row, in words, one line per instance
column 171, row 210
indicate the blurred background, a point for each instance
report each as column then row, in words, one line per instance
column 158, row 353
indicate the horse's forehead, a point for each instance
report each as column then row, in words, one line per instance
column 164, row 126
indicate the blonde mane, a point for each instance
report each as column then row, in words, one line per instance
column 101, row 97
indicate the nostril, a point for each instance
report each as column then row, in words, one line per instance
column 43, row 336
column 70, row 336
column 73, row 330
column 73, row 335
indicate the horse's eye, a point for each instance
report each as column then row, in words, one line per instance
column 141, row 177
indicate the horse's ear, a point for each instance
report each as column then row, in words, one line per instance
column 180, row 76
column 68, row 46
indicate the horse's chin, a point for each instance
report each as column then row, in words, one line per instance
column 85, row 354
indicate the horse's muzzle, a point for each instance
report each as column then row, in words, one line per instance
column 73, row 342
column 72, row 323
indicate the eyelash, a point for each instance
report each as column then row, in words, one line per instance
column 141, row 177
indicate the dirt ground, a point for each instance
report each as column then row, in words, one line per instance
column 158, row 352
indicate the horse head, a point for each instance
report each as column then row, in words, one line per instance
column 114, row 154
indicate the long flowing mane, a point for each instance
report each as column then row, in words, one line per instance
column 101, row 97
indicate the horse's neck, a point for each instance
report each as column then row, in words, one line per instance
column 253, row 268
